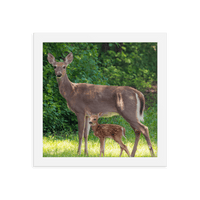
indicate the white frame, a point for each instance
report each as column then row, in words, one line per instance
column 39, row 39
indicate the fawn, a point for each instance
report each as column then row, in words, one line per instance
column 102, row 131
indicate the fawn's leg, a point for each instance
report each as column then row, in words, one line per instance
column 104, row 145
column 121, row 151
column 123, row 146
column 101, row 146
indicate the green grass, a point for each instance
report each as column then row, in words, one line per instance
column 67, row 145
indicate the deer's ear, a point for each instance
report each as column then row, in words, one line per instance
column 100, row 114
column 69, row 58
column 51, row 59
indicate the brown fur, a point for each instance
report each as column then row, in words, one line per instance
column 103, row 131
column 83, row 97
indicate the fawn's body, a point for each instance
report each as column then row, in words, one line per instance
column 103, row 131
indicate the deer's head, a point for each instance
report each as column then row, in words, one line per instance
column 93, row 119
column 60, row 67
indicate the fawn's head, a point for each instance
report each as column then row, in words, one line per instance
column 60, row 67
column 93, row 119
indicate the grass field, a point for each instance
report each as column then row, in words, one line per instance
column 67, row 144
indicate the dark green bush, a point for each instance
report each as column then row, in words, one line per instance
column 131, row 64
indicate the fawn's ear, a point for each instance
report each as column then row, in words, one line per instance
column 68, row 58
column 51, row 59
column 100, row 114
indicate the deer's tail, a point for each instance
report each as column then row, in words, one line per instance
column 123, row 131
column 140, row 106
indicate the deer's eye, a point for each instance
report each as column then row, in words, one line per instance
column 54, row 67
column 94, row 119
column 63, row 67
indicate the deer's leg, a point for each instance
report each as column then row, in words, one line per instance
column 137, row 137
column 135, row 124
column 146, row 135
column 101, row 146
column 86, row 133
column 121, row 151
column 104, row 140
column 145, row 131
column 81, row 124
column 123, row 146
column 104, row 145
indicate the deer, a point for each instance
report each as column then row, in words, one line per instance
column 110, row 100
column 103, row 131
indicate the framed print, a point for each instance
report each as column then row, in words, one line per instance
column 99, row 99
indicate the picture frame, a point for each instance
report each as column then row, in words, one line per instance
column 40, row 37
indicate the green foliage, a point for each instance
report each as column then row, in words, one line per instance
column 150, row 120
column 134, row 64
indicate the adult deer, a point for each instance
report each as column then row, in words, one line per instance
column 111, row 100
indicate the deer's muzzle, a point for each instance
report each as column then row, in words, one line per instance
column 59, row 74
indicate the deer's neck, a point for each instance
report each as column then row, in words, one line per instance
column 65, row 86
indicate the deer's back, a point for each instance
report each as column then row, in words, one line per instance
column 99, row 98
